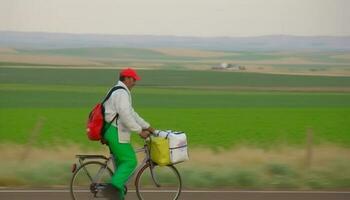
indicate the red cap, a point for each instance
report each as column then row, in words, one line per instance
column 128, row 72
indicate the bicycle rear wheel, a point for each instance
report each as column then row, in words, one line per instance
column 89, row 180
column 166, row 183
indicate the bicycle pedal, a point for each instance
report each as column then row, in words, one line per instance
column 93, row 188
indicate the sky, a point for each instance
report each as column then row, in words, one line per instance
column 201, row 18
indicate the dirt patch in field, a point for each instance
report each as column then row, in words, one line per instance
column 192, row 53
column 139, row 65
column 330, row 72
column 285, row 61
column 49, row 60
column 292, row 60
column 7, row 50
column 266, row 69
column 343, row 56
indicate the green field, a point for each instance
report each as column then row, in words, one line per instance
column 149, row 54
column 245, row 130
column 166, row 78
column 201, row 103
column 252, row 126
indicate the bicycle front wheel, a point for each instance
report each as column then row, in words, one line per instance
column 158, row 182
column 89, row 180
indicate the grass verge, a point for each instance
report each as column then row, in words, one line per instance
column 238, row 168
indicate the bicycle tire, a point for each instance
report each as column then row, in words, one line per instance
column 169, row 189
column 82, row 189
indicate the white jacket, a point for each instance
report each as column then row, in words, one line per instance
column 128, row 120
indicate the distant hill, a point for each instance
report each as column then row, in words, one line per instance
column 36, row 40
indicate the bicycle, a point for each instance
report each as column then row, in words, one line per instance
column 90, row 178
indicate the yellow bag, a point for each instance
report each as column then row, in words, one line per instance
column 160, row 151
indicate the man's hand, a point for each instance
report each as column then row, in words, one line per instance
column 144, row 134
column 150, row 129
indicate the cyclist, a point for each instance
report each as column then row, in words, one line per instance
column 117, row 136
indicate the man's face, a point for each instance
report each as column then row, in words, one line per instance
column 130, row 82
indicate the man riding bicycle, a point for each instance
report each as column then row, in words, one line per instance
column 117, row 136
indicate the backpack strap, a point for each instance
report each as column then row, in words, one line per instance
column 103, row 141
column 111, row 91
column 109, row 95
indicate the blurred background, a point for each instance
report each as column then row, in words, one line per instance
column 261, row 88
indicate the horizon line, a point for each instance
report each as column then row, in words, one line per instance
column 167, row 35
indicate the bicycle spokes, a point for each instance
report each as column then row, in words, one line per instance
column 89, row 180
column 154, row 176
column 160, row 182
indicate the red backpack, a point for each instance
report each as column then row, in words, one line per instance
column 95, row 126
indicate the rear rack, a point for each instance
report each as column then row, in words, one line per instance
column 83, row 157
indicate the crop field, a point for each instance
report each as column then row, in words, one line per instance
column 251, row 123
column 289, row 62
column 206, row 105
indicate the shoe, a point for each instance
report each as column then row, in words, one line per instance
column 111, row 193
column 125, row 190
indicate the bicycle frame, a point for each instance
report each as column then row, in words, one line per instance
column 98, row 169
column 111, row 158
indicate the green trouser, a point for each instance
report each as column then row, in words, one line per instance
column 125, row 159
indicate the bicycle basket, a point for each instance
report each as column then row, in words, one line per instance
column 170, row 147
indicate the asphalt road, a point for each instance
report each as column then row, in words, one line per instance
column 190, row 195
